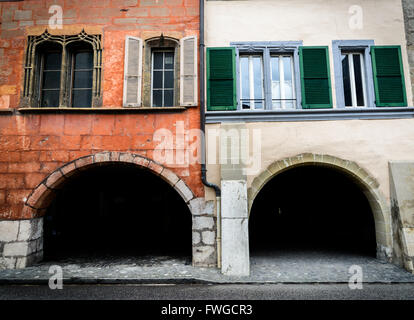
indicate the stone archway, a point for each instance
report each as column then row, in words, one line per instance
column 368, row 184
column 37, row 203
column 43, row 194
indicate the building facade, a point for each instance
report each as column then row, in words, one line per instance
column 89, row 90
column 301, row 94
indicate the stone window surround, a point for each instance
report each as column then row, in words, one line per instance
column 266, row 49
column 149, row 46
column 29, row 78
column 364, row 47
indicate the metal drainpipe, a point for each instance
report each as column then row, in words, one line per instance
column 203, row 130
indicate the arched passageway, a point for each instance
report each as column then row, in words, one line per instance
column 312, row 208
column 116, row 210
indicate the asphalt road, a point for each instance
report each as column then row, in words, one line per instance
column 210, row 292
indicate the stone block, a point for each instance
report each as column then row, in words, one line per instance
column 9, row 230
column 196, row 238
column 235, row 247
column 7, row 263
column 30, row 229
column 204, row 256
column 200, row 223
column 234, row 199
column 14, row 249
column 209, row 237
column 185, row 192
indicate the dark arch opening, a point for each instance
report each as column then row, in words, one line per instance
column 117, row 211
column 312, row 208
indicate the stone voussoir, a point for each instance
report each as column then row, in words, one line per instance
column 184, row 191
column 102, row 157
column 36, row 195
column 53, row 179
column 170, row 176
column 157, row 168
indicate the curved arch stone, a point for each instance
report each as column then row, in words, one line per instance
column 43, row 194
column 368, row 184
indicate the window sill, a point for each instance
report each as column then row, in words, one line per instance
column 101, row 110
column 6, row 111
column 309, row 114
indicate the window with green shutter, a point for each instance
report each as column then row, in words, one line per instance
column 315, row 77
column 388, row 76
column 221, row 79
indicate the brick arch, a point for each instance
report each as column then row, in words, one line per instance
column 367, row 183
column 41, row 197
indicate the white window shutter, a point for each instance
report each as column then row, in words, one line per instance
column 132, row 72
column 188, row 70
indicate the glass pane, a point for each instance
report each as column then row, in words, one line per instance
column 158, row 57
column 50, row 98
column 84, row 60
column 157, row 98
column 51, row 80
column 82, row 79
column 169, row 79
column 169, row 60
column 157, row 82
column 258, row 81
column 288, row 82
column 274, row 63
column 52, row 61
column 346, row 80
column 168, row 98
column 358, row 80
column 244, row 75
column 81, row 98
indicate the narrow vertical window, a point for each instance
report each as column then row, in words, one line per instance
column 283, row 84
column 163, row 78
column 81, row 75
column 49, row 84
column 251, row 82
column 354, row 79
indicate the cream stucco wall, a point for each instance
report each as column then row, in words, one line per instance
column 315, row 22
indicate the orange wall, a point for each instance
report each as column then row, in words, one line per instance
column 33, row 145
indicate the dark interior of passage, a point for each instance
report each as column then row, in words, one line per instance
column 116, row 211
column 312, row 208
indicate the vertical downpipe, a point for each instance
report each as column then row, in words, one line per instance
column 203, row 130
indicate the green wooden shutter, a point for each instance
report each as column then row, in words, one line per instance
column 315, row 77
column 221, row 79
column 388, row 76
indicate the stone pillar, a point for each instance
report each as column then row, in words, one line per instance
column 21, row 243
column 234, row 206
column 402, row 212
column 408, row 8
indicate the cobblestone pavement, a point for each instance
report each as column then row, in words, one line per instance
column 297, row 267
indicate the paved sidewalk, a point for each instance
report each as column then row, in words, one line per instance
column 306, row 267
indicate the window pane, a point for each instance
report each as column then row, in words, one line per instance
column 168, row 98
column 358, row 80
column 52, row 61
column 157, row 82
column 81, row 98
column 84, row 60
column 274, row 63
column 258, row 81
column 244, row 74
column 50, row 98
column 169, row 79
column 346, row 80
column 169, row 60
column 82, row 79
column 157, row 98
column 288, row 83
column 51, row 80
column 158, row 57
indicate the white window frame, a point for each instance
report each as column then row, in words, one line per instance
column 350, row 55
column 282, row 80
column 252, row 99
column 163, row 70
